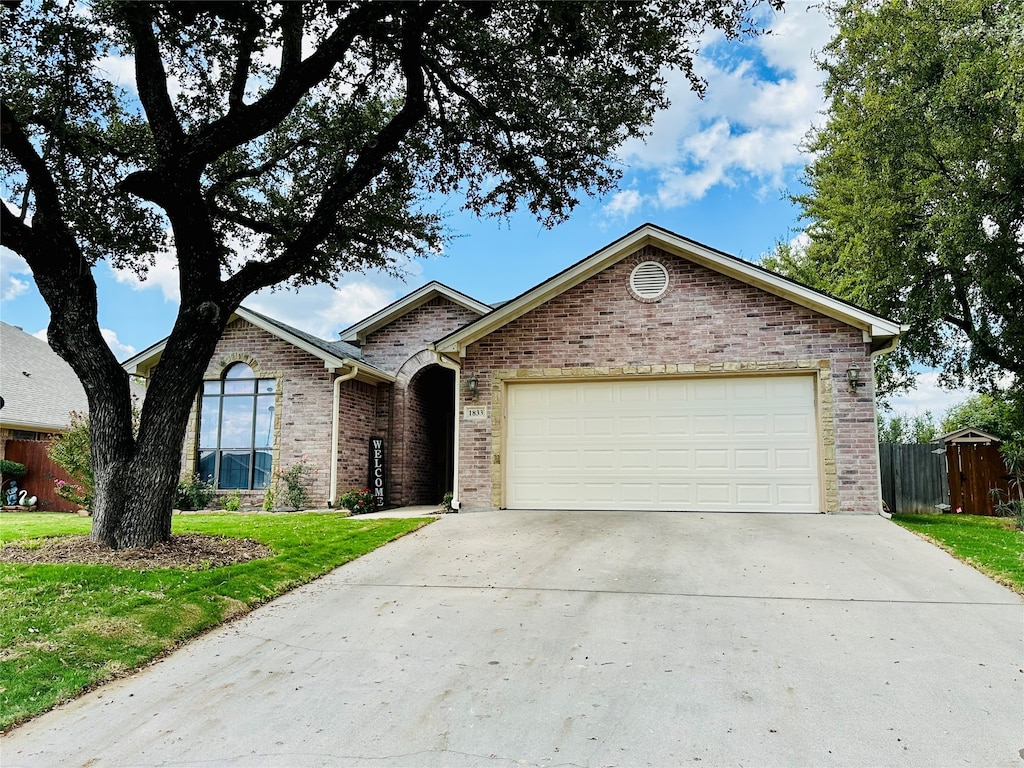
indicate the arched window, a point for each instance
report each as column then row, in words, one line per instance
column 236, row 429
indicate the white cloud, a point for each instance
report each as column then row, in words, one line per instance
column 41, row 335
column 623, row 203
column 753, row 118
column 12, row 264
column 927, row 395
column 163, row 274
column 121, row 351
column 324, row 311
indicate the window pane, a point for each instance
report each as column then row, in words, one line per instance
column 267, row 386
column 234, row 469
column 239, row 371
column 207, row 466
column 261, row 475
column 208, row 418
column 211, row 387
column 236, row 423
column 264, row 421
column 240, row 387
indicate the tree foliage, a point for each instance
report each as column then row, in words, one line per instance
column 263, row 143
column 994, row 413
column 917, row 429
column 915, row 206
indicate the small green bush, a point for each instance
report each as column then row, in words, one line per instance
column 193, row 493
column 446, row 502
column 11, row 469
column 233, row 501
column 357, row 502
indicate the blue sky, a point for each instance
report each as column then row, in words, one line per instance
column 715, row 170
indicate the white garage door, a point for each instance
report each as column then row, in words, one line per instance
column 745, row 444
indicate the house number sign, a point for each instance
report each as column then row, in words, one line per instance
column 376, row 483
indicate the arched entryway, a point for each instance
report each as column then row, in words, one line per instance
column 429, row 435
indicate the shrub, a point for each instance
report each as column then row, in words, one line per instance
column 446, row 502
column 268, row 500
column 233, row 501
column 70, row 451
column 295, row 480
column 1013, row 458
column 357, row 502
column 11, row 469
column 193, row 493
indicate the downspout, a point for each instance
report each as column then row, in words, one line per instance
column 882, row 351
column 336, row 429
column 451, row 365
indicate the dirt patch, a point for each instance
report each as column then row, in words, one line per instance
column 191, row 551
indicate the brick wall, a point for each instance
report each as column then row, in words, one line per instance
column 302, row 412
column 391, row 346
column 705, row 324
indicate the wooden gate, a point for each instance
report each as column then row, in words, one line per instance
column 40, row 475
column 974, row 470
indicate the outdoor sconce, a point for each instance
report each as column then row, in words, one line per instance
column 853, row 377
column 473, row 386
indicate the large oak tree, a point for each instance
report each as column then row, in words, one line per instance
column 916, row 182
column 285, row 142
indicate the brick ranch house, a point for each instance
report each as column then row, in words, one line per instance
column 655, row 374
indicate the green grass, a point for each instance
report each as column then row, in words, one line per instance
column 990, row 544
column 66, row 628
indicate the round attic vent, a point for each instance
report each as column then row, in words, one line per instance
column 648, row 280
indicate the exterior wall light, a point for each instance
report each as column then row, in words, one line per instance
column 853, row 377
column 473, row 386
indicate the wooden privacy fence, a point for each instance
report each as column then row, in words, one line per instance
column 40, row 475
column 974, row 470
column 913, row 477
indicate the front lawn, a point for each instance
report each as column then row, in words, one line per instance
column 65, row 628
column 990, row 544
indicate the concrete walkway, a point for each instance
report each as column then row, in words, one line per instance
column 588, row 639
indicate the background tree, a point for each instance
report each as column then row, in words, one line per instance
column 289, row 142
column 916, row 201
column 917, row 429
column 993, row 413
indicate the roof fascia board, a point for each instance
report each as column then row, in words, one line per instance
column 144, row 362
column 874, row 327
column 458, row 341
column 759, row 277
column 357, row 333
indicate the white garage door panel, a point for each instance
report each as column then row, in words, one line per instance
column 746, row 444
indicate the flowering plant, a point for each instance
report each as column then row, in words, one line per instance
column 357, row 502
column 74, row 493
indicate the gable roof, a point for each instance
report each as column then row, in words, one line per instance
column 334, row 354
column 879, row 331
column 358, row 332
column 39, row 389
column 968, row 435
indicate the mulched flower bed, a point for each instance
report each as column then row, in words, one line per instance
column 191, row 551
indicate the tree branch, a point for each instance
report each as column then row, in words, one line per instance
column 252, row 25
column 347, row 184
column 251, row 121
column 151, row 80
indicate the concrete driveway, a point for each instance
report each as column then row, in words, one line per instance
column 588, row 639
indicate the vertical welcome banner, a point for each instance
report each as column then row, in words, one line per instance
column 376, row 482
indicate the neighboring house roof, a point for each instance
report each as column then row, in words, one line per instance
column 39, row 389
column 968, row 435
column 878, row 330
column 358, row 332
column 335, row 354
